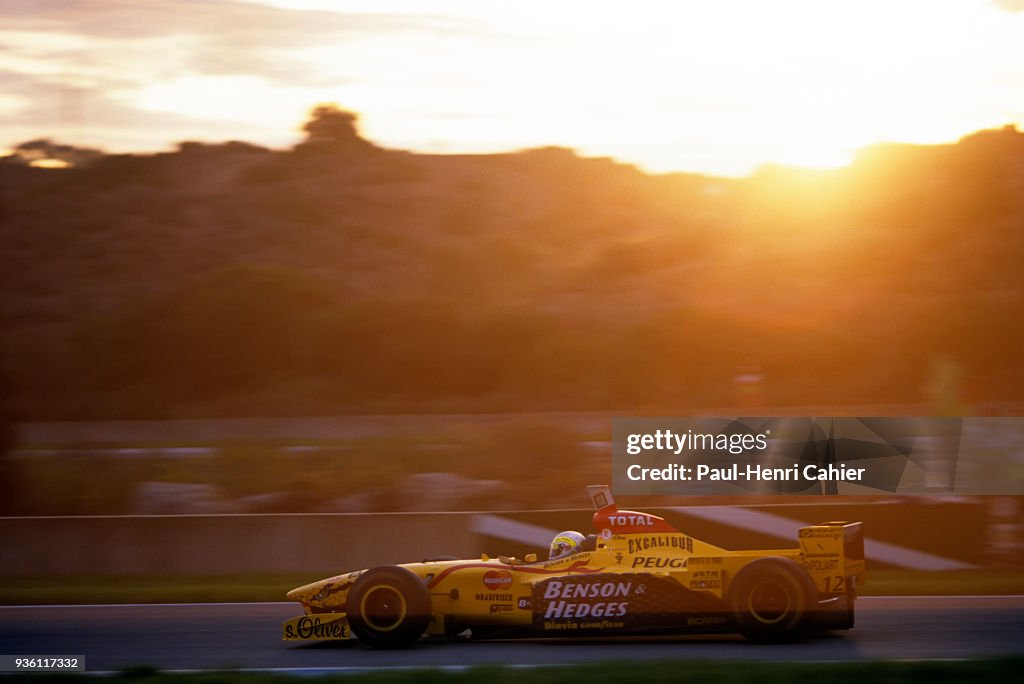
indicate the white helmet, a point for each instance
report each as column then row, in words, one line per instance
column 565, row 543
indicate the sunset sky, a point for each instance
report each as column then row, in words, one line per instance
column 716, row 86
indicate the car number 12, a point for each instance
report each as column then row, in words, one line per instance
column 837, row 583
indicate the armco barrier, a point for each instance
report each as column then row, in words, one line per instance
column 225, row 544
column 918, row 534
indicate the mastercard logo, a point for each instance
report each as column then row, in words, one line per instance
column 496, row 580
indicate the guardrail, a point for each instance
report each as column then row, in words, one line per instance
column 917, row 534
column 224, row 544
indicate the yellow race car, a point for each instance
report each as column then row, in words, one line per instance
column 636, row 575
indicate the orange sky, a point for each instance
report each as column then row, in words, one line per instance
column 716, row 86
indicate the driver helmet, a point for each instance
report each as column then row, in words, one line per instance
column 565, row 543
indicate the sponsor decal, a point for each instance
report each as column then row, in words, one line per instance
column 564, row 609
column 323, row 593
column 501, row 608
column 569, row 590
column 525, row 604
column 552, row 626
column 624, row 602
column 663, row 541
column 600, row 599
column 635, row 519
column 329, row 589
column 655, row 562
column 577, row 559
column 606, row 534
column 706, row 579
column 828, row 532
column 716, row 560
column 706, row 620
column 497, row 580
column 704, row 573
column 706, row 584
column 493, row 597
column 817, row 565
column 308, row 627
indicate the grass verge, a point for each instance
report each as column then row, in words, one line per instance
column 682, row 672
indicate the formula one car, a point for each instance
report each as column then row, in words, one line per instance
column 636, row 575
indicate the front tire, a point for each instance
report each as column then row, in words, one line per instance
column 388, row 607
column 770, row 598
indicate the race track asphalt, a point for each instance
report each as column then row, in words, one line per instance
column 247, row 636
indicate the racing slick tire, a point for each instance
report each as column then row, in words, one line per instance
column 769, row 599
column 388, row 607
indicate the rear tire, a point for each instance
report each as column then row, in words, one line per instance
column 388, row 607
column 769, row 599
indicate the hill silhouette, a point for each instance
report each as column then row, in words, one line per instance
column 337, row 276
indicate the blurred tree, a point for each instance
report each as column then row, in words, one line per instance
column 331, row 128
column 240, row 328
column 46, row 150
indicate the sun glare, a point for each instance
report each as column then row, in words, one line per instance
column 50, row 164
column 722, row 87
column 717, row 86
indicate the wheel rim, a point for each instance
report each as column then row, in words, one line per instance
column 769, row 602
column 383, row 608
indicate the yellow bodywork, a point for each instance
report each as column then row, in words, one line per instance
column 499, row 591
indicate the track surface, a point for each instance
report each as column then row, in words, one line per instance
column 240, row 635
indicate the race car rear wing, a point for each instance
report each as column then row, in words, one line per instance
column 833, row 554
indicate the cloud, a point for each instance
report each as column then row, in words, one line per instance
column 71, row 68
column 90, row 117
column 11, row 104
column 224, row 37
column 234, row 21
